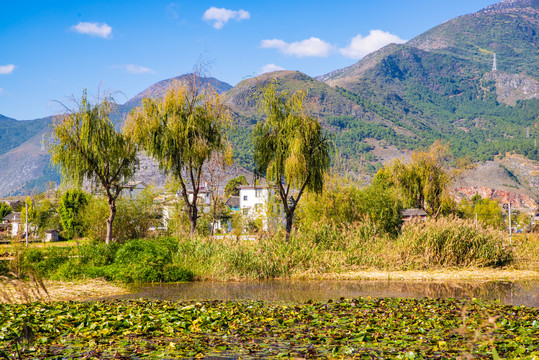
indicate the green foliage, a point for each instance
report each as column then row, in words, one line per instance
column 344, row 202
column 87, row 146
column 5, row 210
column 182, row 131
column 231, row 186
column 134, row 216
column 46, row 216
column 28, row 211
column 45, row 262
column 290, row 148
column 70, row 209
column 422, row 183
column 148, row 260
column 488, row 211
column 388, row 328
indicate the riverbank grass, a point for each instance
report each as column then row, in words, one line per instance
column 322, row 251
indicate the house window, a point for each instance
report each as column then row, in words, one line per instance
column 258, row 193
column 245, row 198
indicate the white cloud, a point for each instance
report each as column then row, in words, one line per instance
column 271, row 67
column 93, row 29
column 135, row 69
column 360, row 46
column 312, row 47
column 7, row 69
column 2, row 91
column 221, row 16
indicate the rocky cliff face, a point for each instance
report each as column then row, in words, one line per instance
column 518, row 201
column 513, row 87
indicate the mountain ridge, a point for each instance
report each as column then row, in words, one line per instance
column 438, row 86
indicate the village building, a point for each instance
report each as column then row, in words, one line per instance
column 255, row 203
column 12, row 224
column 134, row 189
column 413, row 215
column 51, row 235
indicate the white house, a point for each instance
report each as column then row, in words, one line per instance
column 255, row 201
column 13, row 219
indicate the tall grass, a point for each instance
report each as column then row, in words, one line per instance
column 321, row 248
column 452, row 242
column 526, row 251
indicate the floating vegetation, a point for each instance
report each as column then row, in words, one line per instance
column 361, row 328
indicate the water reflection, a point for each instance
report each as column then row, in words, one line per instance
column 287, row 291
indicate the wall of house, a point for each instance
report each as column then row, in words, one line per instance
column 250, row 198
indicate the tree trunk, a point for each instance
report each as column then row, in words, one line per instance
column 289, row 220
column 193, row 215
column 110, row 220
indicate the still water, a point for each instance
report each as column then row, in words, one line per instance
column 293, row 291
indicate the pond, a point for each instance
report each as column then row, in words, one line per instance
column 295, row 291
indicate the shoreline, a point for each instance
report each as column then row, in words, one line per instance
column 95, row 289
column 468, row 274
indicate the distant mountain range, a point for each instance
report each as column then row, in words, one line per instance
column 472, row 81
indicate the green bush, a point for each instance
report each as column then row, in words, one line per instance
column 45, row 262
column 147, row 260
column 98, row 253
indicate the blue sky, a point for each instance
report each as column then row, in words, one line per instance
column 52, row 50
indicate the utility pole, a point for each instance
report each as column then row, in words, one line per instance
column 26, row 223
column 510, row 229
column 494, row 65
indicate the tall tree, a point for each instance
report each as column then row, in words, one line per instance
column 87, row 146
column 290, row 149
column 182, row 131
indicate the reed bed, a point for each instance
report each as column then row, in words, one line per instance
column 325, row 249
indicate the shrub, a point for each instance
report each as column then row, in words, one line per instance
column 134, row 217
column 44, row 262
column 452, row 242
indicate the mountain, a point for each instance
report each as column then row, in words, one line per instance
column 13, row 133
column 158, row 90
column 441, row 85
column 24, row 159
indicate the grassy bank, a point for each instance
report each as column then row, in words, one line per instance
column 324, row 250
column 355, row 328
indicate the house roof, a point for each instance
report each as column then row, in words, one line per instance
column 233, row 201
column 252, row 187
column 15, row 216
column 413, row 212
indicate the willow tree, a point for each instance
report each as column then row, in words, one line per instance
column 423, row 181
column 86, row 146
column 181, row 131
column 290, row 149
